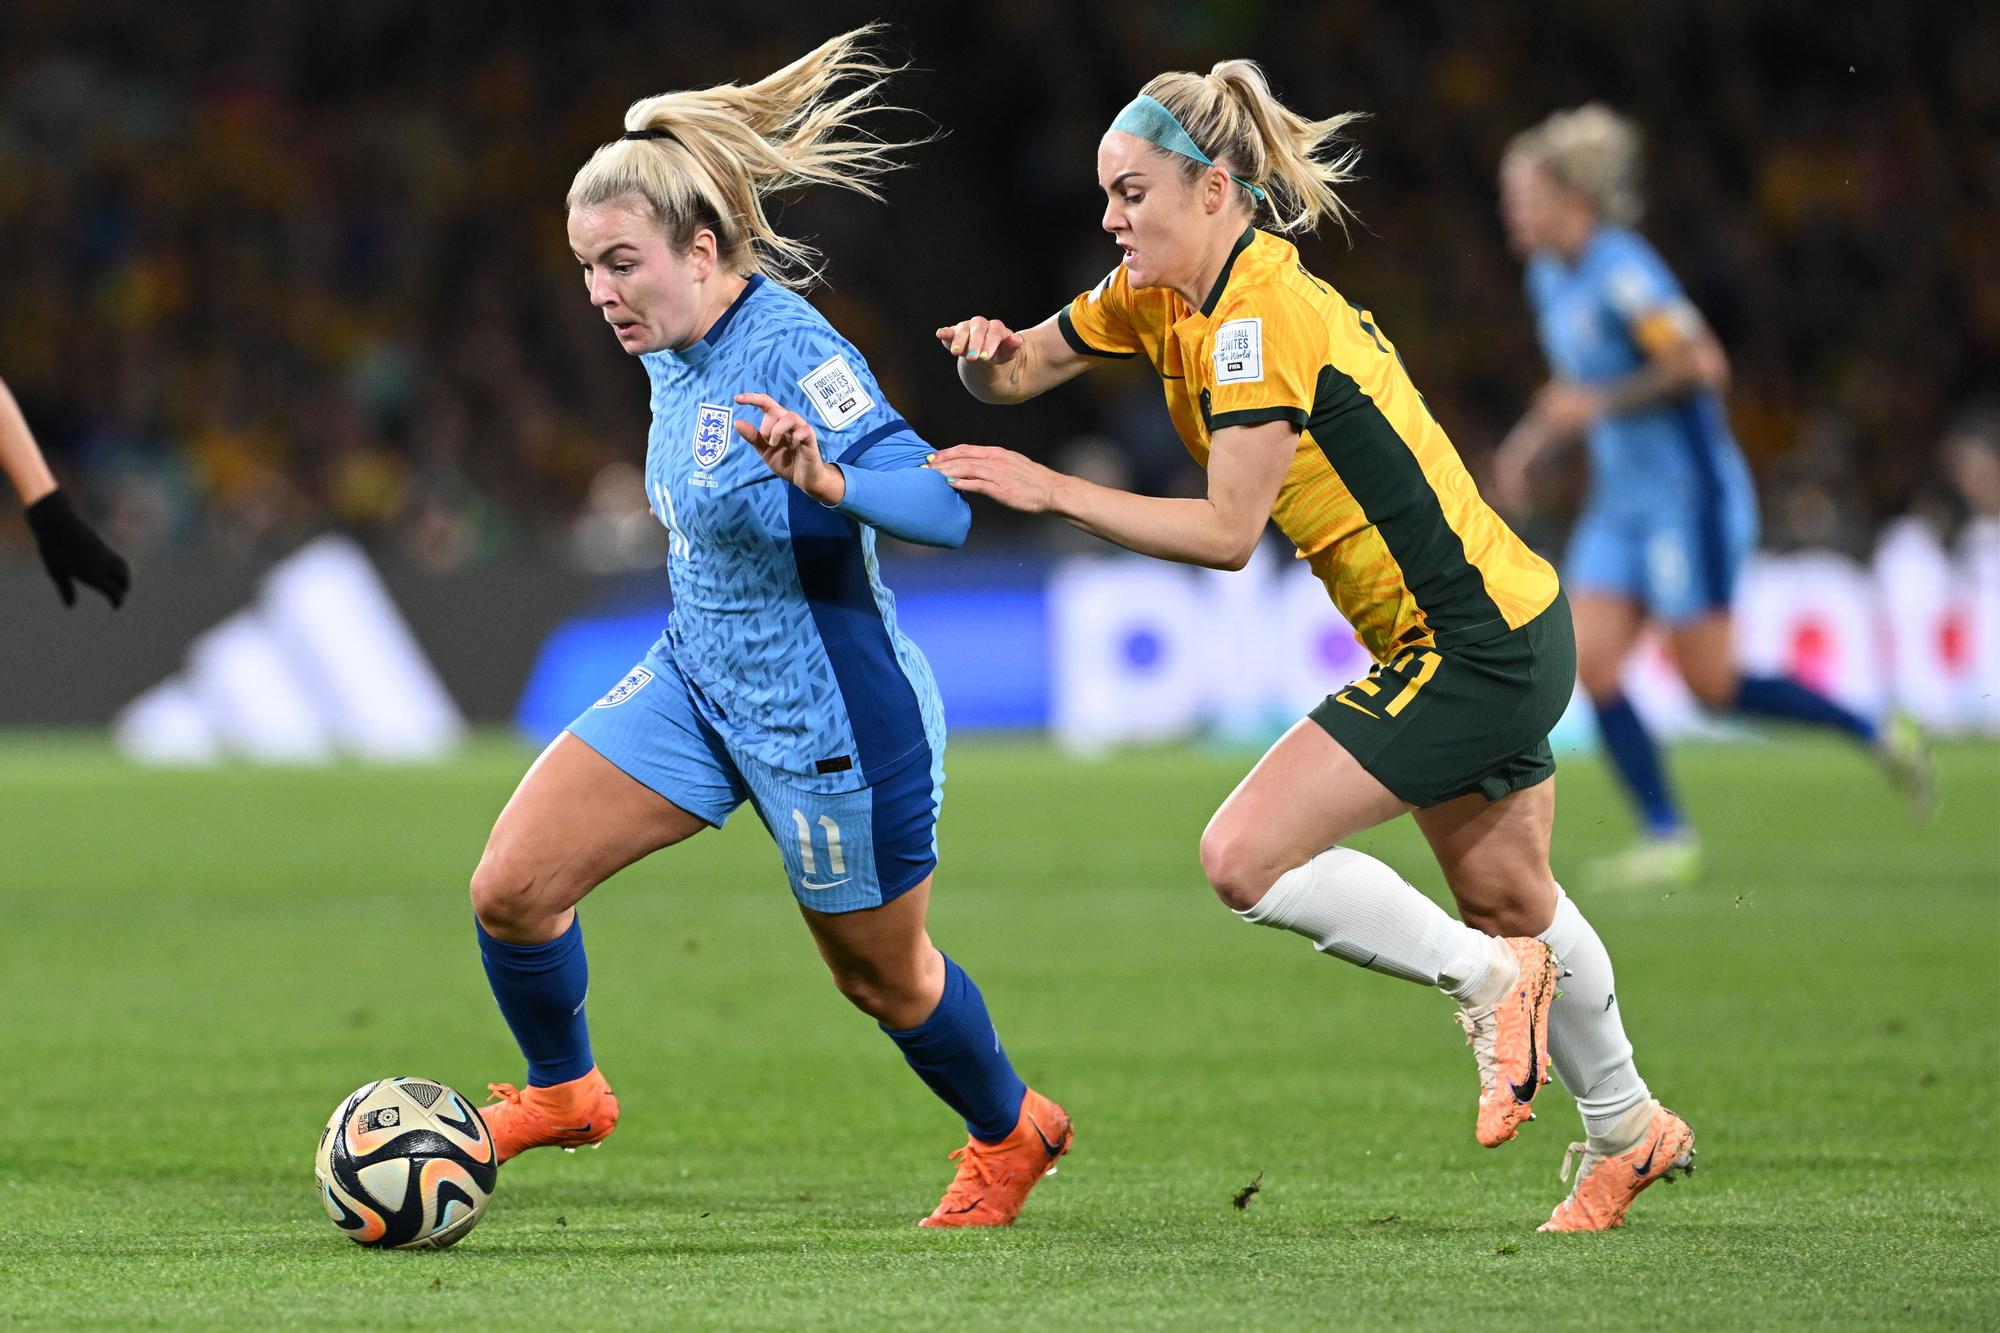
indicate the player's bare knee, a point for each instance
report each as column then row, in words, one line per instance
column 1715, row 690
column 1484, row 918
column 883, row 998
column 863, row 990
column 1506, row 915
column 506, row 897
column 1235, row 871
column 1516, row 907
column 1601, row 683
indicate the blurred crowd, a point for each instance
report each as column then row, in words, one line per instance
column 301, row 266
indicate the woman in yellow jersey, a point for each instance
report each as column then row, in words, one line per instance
column 1297, row 404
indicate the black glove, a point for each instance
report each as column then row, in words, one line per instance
column 73, row 552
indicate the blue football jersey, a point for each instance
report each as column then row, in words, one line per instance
column 780, row 619
column 1679, row 453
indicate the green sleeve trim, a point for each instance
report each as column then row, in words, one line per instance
column 1082, row 348
column 1257, row 416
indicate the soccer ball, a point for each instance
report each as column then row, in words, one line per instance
column 405, row 1164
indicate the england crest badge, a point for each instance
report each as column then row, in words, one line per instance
column 711, row 434
column 636, row 680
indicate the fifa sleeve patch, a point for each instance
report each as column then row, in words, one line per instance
column 836, row 392
column 1239, row 351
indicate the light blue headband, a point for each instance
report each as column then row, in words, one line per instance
column 1155, row 124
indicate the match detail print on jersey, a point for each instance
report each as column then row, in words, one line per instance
column 835, row 392
column 1239, row 351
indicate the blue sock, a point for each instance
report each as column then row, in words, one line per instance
column 1637, row 760
column 541, row 988
column 958, row 1053
column 1789, row 701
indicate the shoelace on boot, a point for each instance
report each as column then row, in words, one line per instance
column 1481, row 1043
column 976, row 1174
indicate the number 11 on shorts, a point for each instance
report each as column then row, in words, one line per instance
column 836, row 863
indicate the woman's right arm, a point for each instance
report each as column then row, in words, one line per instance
column 1519, row 454
column 20, row 459
column 70, row 548
column 998, row 365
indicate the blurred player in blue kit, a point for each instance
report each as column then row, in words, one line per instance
column 1672, row 513
column 782, row 678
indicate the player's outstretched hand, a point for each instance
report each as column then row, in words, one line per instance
column 980, row 339
column 1567, row 408
column 1507, row 483
column 73, row 553
column 789, row 446
column 1000, row 475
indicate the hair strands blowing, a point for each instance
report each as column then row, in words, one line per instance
column 1299, row 163
column 729, row 147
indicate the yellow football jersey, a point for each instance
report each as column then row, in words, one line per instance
column 1376, row 497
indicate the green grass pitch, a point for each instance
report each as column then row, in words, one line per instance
column 194, row 967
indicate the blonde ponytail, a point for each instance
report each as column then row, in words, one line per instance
column 714, row 154
column 1592, row 150
column 1234, row 117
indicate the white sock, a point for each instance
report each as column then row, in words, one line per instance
column 1587, row 1042
column 1354, row 907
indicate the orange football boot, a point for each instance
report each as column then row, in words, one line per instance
column 566, row 1115
column 1609, row 1181
column 993, row 1179
column 1510, row 1042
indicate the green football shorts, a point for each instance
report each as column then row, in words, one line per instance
column 1435, row 724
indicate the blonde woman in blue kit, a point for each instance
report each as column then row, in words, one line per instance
column 1295, row 402
column 783, row 681
column 1671, row 517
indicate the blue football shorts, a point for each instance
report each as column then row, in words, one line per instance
column 843, row 851
column 1679, row 563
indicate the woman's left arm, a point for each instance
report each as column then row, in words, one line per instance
column 898, row 496
column 1246, row 469
column 1682, row 357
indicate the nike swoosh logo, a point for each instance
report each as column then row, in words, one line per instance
column 1646, row 1166
column 583, row 1128
column 1534, row 1067
column 1052, row 1149
column 969, row 1207
column 818, row 888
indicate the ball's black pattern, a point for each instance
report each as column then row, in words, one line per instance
column 405, row 1163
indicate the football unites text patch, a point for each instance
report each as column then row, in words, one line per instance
column 625, row 688
column 1239, row 351
column 711, row 434
column 836, row 392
